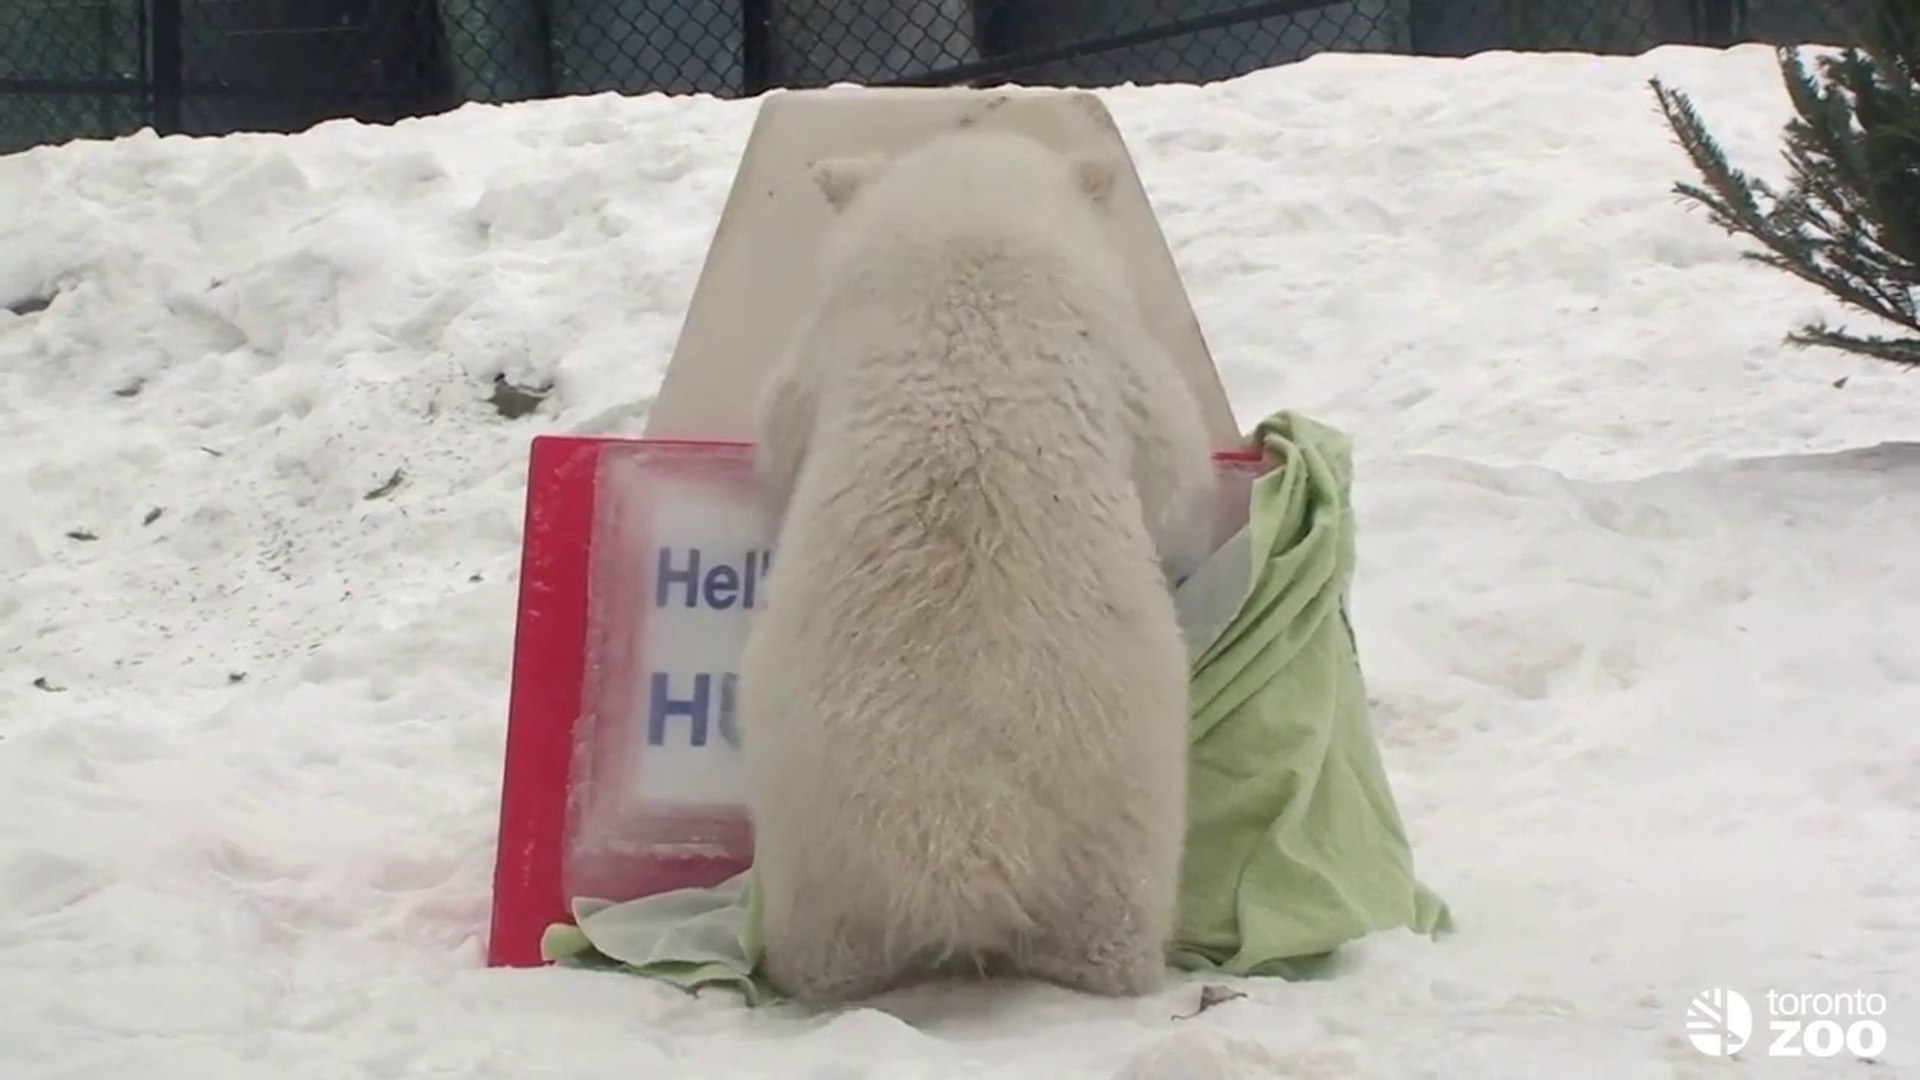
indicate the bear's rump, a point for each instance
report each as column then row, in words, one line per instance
column 979, row 721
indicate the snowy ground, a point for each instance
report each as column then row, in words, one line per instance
column 1639, row 596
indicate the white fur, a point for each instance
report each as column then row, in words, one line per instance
column 964, row 710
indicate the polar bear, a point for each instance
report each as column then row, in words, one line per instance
column 964, row 708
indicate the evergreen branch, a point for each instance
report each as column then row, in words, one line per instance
column 1841, row 287
column 1728, row 195
column 1902, row 351
column 1835, row 262
column 1848, row 221
column 1854, row 230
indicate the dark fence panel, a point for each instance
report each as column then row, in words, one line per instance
column 100, row 68
column 72, row 70
column 280, row 65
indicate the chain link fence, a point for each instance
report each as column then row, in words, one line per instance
column 100, row 68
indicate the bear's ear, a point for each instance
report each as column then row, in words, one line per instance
column 841, row 178
column 1097, row 174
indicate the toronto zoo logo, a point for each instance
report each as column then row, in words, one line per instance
column 1821, row 1025
column 1719, row 1022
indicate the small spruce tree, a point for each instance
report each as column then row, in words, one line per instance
column 1849, row 220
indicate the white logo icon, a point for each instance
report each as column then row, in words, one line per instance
column 1719, row 1022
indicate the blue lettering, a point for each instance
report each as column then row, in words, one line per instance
column 666, row 576
column 729, row 719
column 756, row 571
column 662, row 706
column 720, row 586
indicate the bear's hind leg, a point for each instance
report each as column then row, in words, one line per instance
column 840, row 942
column 831, row 969
column 1111, row 942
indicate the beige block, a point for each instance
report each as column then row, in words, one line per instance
column 757, row 279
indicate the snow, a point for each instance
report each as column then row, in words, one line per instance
column 1637, row 598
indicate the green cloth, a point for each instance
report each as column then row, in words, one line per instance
column 693, row 938
column 1294, row 844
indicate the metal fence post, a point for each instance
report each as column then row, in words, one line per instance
column 169, row 79
column 756, row 47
